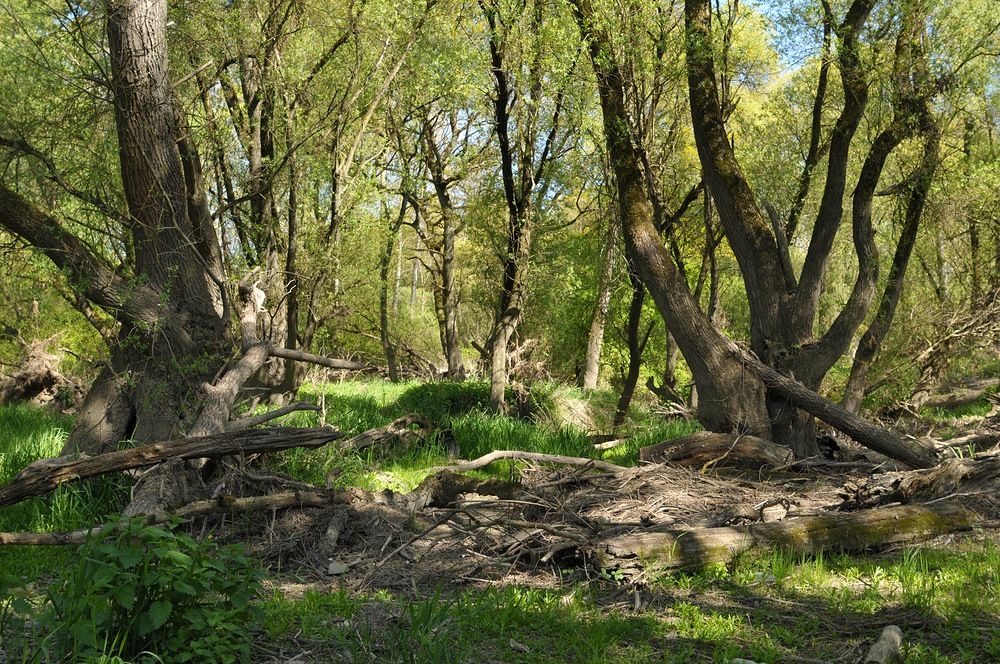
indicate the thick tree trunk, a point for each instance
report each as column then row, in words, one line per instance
column 165, row 353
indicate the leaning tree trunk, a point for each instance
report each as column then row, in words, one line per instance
column 731, row 400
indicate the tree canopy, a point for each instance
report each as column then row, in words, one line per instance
column 441, row 186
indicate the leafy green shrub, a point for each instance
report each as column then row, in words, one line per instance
column 140, row 589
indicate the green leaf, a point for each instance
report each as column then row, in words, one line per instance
column 159, row 613
column 125, row 596
column 175, row 556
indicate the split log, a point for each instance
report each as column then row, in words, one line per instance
column 558, row 459
column 887, row 648
column 45, row 475
column 869, row 435
column 705, row 450
column 696, row 549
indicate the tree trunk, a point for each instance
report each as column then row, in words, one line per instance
column 383, row 302
column 636, row 345
column 871, row 340
column 178, row 342
column 502, row 333
column 730, row 400
column 446, row 296
column 595, row 338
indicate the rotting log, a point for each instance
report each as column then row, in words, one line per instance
column 696, row 549
column 952, row 476
column 865, row 433
column 705, row 450
column 44, row 475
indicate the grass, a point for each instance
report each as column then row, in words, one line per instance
column 460, row 408
column 27, row 434
column 766, row 607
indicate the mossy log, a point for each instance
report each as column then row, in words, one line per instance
column 696, row 549
column 704, row 450
column 44, row 475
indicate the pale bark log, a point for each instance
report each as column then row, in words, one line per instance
column 535, row 457
column 887, row 648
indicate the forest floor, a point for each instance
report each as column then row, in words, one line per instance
column 483, row 578
column 455, row 580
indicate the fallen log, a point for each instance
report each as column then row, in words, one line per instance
column 517, row 455
column 705, row 450
column 698, row 548
column 958, row 396
column 44, row 475
column 220, row 505
column 869, row 435
column 398, row 431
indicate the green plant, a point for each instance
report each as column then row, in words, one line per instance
column 140, row 588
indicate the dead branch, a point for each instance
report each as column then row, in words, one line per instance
column 970, row 476
column 247, row 422
column 303, row 356
column 396, row 430
column 220, row 505
column 559, row 459
column 45, row 475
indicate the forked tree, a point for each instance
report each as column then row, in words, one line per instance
column 783, row 304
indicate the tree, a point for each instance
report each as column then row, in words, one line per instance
column 783, row 305
column 169, row 301
column 527, row 142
